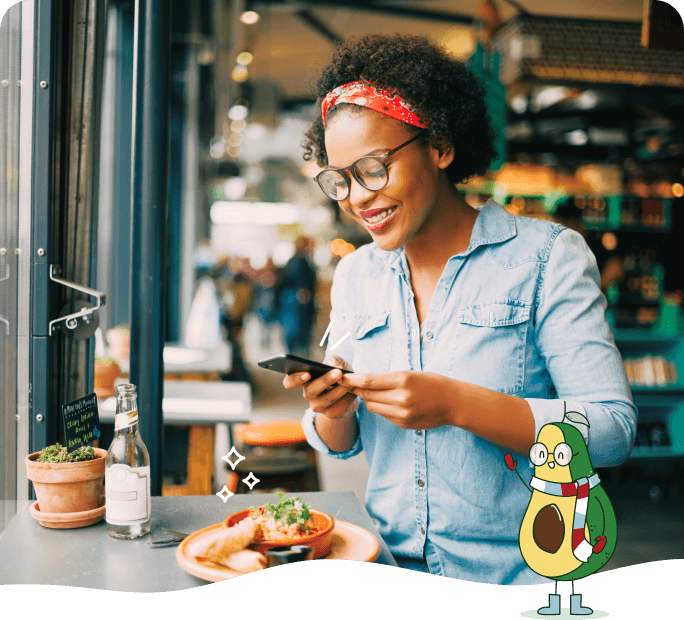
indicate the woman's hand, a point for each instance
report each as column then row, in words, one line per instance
column 408, row 399
column 323, row 395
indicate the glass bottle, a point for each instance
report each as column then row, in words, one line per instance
column 127, row 472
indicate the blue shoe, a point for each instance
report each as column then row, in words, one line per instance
column 554, row 606
column 576, row 608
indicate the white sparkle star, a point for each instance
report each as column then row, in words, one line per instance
column 225, row 494
column 232, row 464
column 251, row 480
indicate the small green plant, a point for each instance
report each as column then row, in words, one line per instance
column 107, row 361
column 59, row 454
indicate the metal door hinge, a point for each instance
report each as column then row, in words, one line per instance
column 72, row 320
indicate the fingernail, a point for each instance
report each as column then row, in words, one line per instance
column 336, row 374
column 306, row 376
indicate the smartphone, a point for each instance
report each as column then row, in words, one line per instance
column 289, row 364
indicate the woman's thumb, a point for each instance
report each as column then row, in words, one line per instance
column 338, row 362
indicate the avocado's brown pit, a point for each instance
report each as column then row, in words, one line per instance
column 548, row 529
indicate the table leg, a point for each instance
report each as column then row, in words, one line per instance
column 200, row 460
column 222, row 446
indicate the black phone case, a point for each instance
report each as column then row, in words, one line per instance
column 288, row 364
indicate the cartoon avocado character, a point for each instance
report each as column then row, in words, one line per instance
column 569, row 530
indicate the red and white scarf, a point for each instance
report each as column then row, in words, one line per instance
column 581, row 549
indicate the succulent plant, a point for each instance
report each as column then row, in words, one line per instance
column 59, row 454
column 108, row 361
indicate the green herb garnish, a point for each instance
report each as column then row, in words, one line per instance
column 287, row 511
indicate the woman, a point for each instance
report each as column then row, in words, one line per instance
column 468, row 329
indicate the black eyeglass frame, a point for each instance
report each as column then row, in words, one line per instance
column 352, row 169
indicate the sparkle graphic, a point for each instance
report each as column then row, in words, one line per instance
column 339, row 342
column 251, row 480
column 225, row 494
column 327, row 331
column 239, row 458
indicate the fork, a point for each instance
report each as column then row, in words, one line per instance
column 178, row 537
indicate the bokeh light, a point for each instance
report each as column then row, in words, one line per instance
column 250, row 17
column 244, row 58
column 609, row 241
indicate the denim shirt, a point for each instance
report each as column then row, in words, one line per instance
column 520, row 312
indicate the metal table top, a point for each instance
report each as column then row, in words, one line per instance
column 88, row 557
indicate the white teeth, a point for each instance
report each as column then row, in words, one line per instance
column 379, row 217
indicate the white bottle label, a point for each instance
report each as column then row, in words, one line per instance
column 124, row 420
column 127, row 494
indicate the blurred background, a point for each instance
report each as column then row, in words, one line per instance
column 184, row 120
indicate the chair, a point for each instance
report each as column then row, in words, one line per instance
column 278, row 454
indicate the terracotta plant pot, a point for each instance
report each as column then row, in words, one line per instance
column 119, row 342
column 67, row 487
column 104, row 377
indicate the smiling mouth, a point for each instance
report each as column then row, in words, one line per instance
column 379, row 218
column 551, row 465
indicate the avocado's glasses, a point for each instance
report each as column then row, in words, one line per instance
column 370, row 171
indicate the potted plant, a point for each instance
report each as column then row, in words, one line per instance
column 106, row 372
column 69, row 487
column 119, row 339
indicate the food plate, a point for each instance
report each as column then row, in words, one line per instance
column 320, row 541
column 350, row 542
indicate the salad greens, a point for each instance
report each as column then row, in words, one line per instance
column 287, row 511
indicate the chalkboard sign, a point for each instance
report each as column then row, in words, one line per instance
column 81, row 422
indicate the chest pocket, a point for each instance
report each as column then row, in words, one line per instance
column 372, row 340
column 489, row 348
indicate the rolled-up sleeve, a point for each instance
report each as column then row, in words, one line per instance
column 344, row 350
column 573, row 337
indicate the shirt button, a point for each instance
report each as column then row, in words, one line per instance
column 421, row 483
column 419, row 432
column 422, row 530
column 429, row 335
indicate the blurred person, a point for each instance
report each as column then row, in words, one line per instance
column 295, row 298
column 467, row 329
column 265, row 306
column 205, row 259
column 238, row 294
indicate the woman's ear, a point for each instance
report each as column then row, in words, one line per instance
column 445, row 154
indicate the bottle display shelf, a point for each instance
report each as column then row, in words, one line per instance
column 642, row 452
column 638, row 335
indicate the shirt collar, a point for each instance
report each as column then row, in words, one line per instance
column 493, row 225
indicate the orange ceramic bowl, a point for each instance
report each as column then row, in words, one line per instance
column 320, row 541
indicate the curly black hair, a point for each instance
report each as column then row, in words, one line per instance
column 446, row 96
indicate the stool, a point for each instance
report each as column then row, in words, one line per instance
column 278, row 455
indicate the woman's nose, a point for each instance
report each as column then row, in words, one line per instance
column 358, row 194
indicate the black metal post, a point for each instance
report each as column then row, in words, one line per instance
column 149, row 187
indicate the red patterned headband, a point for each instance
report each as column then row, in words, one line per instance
column 374, row 98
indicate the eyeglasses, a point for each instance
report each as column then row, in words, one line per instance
column 370, row 171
